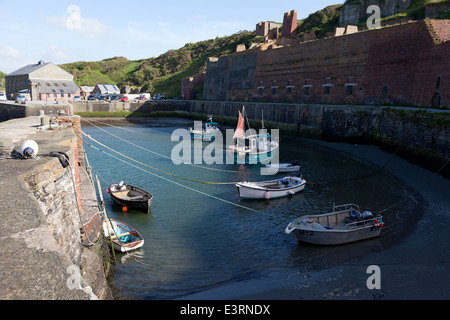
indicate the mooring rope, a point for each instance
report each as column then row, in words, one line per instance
column 156, row 153
column 174, row 182
column 122, row 128
column 145, row 149
column 161, row 171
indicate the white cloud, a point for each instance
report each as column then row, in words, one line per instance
column 56, row 53
column 9, row 52
column 88, row 28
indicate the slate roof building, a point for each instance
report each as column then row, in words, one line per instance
column 43, row 81
column 105, row 89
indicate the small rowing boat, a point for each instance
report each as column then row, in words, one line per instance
column 344, row 225
column 271, row 189
column 284, row 167
column 130, row 197
column 124, row 237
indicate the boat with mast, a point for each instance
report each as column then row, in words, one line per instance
column 249, row 146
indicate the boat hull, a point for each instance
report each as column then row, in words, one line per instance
column 336, row 237
column 207, row 137
column 124, row 237
column 283, row 168
column 251, row 191
column 345, row 224
column 142, row 204
column 252, row 158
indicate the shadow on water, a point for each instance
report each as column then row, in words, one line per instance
column 194, row 243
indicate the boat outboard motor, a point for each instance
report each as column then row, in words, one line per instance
column 29, row 149
column 121, row 184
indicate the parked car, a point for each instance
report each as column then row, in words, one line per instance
column 77, row 98
column 3, row 96
column 104, row 97
column 157, row 97
column 163, row 96
column 124, row 98
column 21, row 98
column 91, row 97
column 114, row 97
column 142, row 98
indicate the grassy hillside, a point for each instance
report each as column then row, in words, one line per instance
column 161, row 74
column 321, row 22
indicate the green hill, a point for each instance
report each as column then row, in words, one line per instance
column 321, row 22
column 161, row 74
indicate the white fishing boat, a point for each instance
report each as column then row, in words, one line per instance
column 344, row 225
column 207, row 133
column 124, row 237
column 284, row 167
column 272, row 189
column 251, row 147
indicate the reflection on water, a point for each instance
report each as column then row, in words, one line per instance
column 194, row 242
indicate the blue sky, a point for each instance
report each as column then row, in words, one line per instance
column 78, row 30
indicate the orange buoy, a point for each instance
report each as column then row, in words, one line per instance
column 124, row 209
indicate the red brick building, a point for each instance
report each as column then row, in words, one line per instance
column 405, row 64
column 188, row 85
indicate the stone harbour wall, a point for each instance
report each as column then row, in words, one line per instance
column 420, row 135
column 59, row 197
column 51, row 225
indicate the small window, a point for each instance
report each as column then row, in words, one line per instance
column 438, row 83
column 289, row 90
column 274, row 90
column 327, row 90
column 349, row 90
column 307, row 91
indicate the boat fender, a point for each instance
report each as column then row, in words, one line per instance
column 291, row 192
column 267, row 195
column 63, row 158
column 29, row 149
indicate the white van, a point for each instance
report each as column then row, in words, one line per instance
column 3, row 96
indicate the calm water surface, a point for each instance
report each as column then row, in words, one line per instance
column 194, row 243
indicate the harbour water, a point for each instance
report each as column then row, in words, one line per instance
column 203, row 242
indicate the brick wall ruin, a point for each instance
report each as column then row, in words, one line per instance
column 404, row 64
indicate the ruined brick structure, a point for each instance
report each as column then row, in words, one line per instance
column 268, row 30
column 289, row 25
column 405, row 64
column 188, row 85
